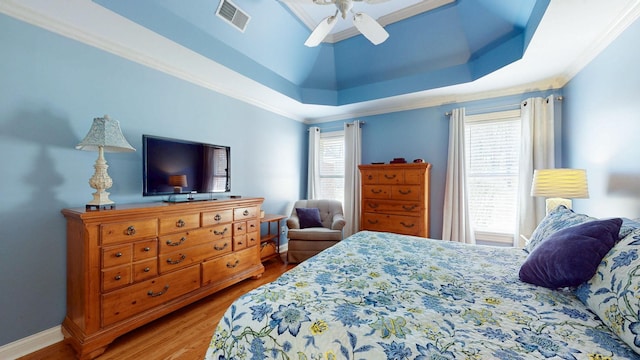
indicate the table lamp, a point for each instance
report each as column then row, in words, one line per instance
column 559, row 186
column 104, row 136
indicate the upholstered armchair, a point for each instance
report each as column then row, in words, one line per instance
column 314, row 225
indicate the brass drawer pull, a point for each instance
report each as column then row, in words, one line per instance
column 408, row 208
column 180, row 223
column 373, row 206
column 131, row 230
column 252, row 225
column 376, row 191
column 174, row 262
column 147, row 249
column 239, row 228
column 240, row 243
column 390, row 176
column 162, row 292
column 231, row 266
column 147, row 269
column 217, row 217
column 370, row 177
column 407, row 225
column 117, row 277
column 216, row 247
column 245, row 213
column 372, row 221
column 216, row 232
column 171, row 243
column 405, row 192
column 118, row 254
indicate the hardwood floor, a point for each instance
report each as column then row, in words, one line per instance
column 183, row 334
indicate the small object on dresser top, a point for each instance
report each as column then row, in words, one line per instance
column 377, row 163
column 398, row 161
column 418, row 161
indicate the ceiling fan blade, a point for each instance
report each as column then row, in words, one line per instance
column 370, row 28
column 321, row 31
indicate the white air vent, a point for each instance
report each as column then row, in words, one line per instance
column 234, row 16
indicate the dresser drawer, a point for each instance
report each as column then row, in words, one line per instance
column 370, row 177
column 217, row 217
column 181, row 240
column 185, row 257
column 253, row 225
column 117, row 255
column 220, row 231
column 392, row 207
column 376, row 191
column 245, row 213
column 116, row 277
column 144, row 270
column 408, row 225
column 125, row 231
column 239, row 242
column 132, row 300
column 406, row 192
column 145, row 249
column 171, row 224
column 414, row 176
column 222, row 268
column 253, row 238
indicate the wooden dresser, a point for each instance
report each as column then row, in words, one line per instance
column 131, row 265
column 395, row 198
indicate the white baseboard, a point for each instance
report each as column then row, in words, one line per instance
column 31, row 343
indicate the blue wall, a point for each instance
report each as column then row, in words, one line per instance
column 52, row 88
column 602, row 128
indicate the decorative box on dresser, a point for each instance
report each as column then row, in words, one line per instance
column 131, row 265
column 395, row 198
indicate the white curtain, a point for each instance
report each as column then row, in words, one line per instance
column 352, row 191
column 313, row 175
column 456, row 222
column 536, row 152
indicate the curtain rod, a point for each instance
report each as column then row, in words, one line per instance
column 558, row 98
column 336, row 128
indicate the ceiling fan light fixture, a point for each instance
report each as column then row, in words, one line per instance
column 321, row 31
column 370, row 28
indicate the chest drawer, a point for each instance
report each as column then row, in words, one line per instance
column 392, row 207
column 182, row 222
column 224, row 267
column 376, row 191
column 116, row 277
column 391, row 176
column 145, row 249
column 217, row 217
column 126, row 231
column 406, row 192
column 144, row 270
column 245, row 213
column 408, row 225
column 132, row 300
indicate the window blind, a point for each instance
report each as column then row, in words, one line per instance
column 332, row 165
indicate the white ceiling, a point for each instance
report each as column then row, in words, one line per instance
column 570, row 35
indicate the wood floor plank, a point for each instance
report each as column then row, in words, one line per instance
column 181, row 335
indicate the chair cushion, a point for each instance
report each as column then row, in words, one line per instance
column 316, row 233
column 309, row 217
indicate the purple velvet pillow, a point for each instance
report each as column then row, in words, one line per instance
column 570, row 256
column 309, row 217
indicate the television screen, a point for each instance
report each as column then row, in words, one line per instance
column 172, row 166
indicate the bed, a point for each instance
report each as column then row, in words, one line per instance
column 387, row 296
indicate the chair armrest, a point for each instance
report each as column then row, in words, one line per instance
column 338, row 222
column 293, row 222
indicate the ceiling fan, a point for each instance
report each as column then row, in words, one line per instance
column 370, row 28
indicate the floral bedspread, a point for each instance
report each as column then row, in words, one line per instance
column 387, row 296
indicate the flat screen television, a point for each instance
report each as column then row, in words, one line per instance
column 172, row 166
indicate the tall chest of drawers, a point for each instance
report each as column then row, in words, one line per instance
column 395, row 198
column 134, row 264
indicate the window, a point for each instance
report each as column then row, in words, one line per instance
column 492, row 153
column 332, row 165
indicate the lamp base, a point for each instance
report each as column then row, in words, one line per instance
column 553, row 203
column 91, row 207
